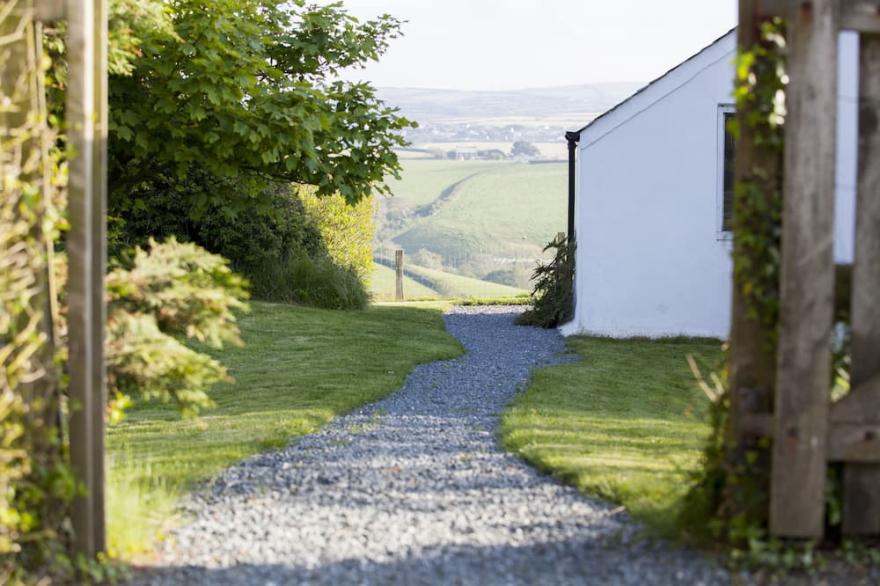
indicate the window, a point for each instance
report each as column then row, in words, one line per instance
column 726, row 163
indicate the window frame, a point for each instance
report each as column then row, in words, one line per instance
column 722, row 111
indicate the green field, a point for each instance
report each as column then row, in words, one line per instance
column 626, row 423
column 422, row 181
column 487, row 220
column 300, row 368
column 382, row 285
column 452, row 285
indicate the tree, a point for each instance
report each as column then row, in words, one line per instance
column 247, row 92
column 522, row 148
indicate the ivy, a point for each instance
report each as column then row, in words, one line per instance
column 757, row 213
column 728, row 499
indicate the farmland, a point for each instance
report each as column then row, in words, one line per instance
column 485, row 220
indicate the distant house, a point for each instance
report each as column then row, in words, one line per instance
column 653, row 195
column 462, row 154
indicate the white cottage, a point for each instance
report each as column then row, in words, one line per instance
column 653, row 255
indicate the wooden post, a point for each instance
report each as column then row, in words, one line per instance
column 86, row 419
column 861, row 482
column 751, row 360
column 807, row 281
column 398, row 267
column 99, row 266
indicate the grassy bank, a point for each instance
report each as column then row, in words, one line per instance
column 625, row 423
column 300, row 368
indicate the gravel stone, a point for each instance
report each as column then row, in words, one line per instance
column 415, row 490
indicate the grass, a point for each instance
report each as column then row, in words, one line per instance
column 382, row 285
column 503, row 208
column 626, row 423
column 301, row 367
column 459, row 286
column 422, row 181
column 445, row 285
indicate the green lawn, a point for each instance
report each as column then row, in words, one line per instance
column 626, row 423
column 300, row 368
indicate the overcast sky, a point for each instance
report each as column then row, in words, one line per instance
column 511, row 44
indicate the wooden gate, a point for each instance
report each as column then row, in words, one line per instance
column 808, row 431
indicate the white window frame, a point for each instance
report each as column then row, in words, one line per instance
column 720, row 233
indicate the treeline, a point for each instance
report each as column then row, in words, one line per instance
column 230, row 129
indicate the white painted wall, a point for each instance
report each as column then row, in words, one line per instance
column 651, row 259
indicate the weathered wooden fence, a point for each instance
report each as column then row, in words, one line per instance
column 808, row 431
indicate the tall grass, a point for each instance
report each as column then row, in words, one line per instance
column 309, row 281
column 140, row 505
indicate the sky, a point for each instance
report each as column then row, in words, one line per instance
column 515, row 44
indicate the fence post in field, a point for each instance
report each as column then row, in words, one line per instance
column 861, row 480
column 86, row 117
column 797, row 487
column 398, row 282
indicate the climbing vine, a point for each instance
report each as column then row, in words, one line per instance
column 757, row 215
column 729, row 497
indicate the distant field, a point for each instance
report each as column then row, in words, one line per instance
column 452, row 285
column 382, row 285
column 423, row 181
column 443, row 285
column 483, row 219
column 501, row 208
column 553, row 150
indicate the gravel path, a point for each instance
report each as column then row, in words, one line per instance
column 414, row 490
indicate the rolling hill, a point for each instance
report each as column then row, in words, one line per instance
column 485, row 220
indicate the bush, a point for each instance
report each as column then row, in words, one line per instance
column 553, row 295
column 272, row 246
column 172, row 293
column 318, row 282
column 346, row 230
column 274, row 226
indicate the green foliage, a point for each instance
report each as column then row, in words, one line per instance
column 35, row 482
column 20, row 263
column 248, row 88
column 553, row 295
column 757, row 210
column 317, row 282
column 522, row 148
column 347, row 230
column 281, row 229
column 172, row 293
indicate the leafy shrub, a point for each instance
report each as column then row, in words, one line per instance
column 273, row 224
column 553, row 295
column 347, row 230
column 318, row 282
column 267, row 244
column 172, row 293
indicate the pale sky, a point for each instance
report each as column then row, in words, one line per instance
column 513, row 44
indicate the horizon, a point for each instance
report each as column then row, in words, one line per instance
column 512, row 45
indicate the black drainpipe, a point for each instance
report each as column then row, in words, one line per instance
column 572, row 138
